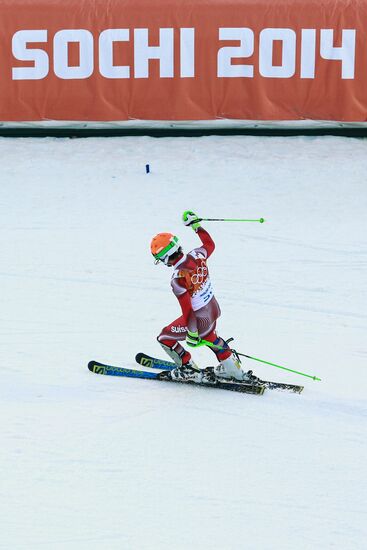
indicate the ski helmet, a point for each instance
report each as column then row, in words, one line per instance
column 163, row 246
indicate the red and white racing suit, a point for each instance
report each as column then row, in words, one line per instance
column 200, row 310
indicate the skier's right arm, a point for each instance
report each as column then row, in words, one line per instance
column 190, row 219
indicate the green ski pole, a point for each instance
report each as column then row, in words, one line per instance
column 280, row 367
column 260, row 220
column 211, row 345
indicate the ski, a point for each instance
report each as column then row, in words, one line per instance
column 164, row 375
column 153, row 363
column 110, row 370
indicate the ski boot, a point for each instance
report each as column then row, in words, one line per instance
column 250, row 378
column 231, row 369
column 189, row 372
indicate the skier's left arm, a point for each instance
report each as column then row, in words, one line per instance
column 186, row 308
column 188, row 314
column 192, row 338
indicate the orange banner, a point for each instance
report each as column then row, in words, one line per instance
column 119, row 60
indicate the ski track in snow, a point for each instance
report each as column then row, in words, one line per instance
column 97, row 463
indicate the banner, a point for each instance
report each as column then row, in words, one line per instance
column 92, row 60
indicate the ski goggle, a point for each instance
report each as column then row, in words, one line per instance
column 167, row 251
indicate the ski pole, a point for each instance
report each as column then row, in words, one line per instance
column 260, row 220
column 280, row 367
column 219, row 348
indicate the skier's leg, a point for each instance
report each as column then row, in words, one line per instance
column 224, row 350
column 229, row 365
column 169, row 340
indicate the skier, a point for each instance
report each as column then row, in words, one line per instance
column 200, row 310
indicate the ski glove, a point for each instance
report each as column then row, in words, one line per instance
column 191, row 219
column 193, row 339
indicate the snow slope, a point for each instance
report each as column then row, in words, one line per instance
column 90, row 462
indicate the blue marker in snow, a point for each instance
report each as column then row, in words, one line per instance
column 147, row 168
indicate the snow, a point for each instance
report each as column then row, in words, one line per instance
column 92, row 462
